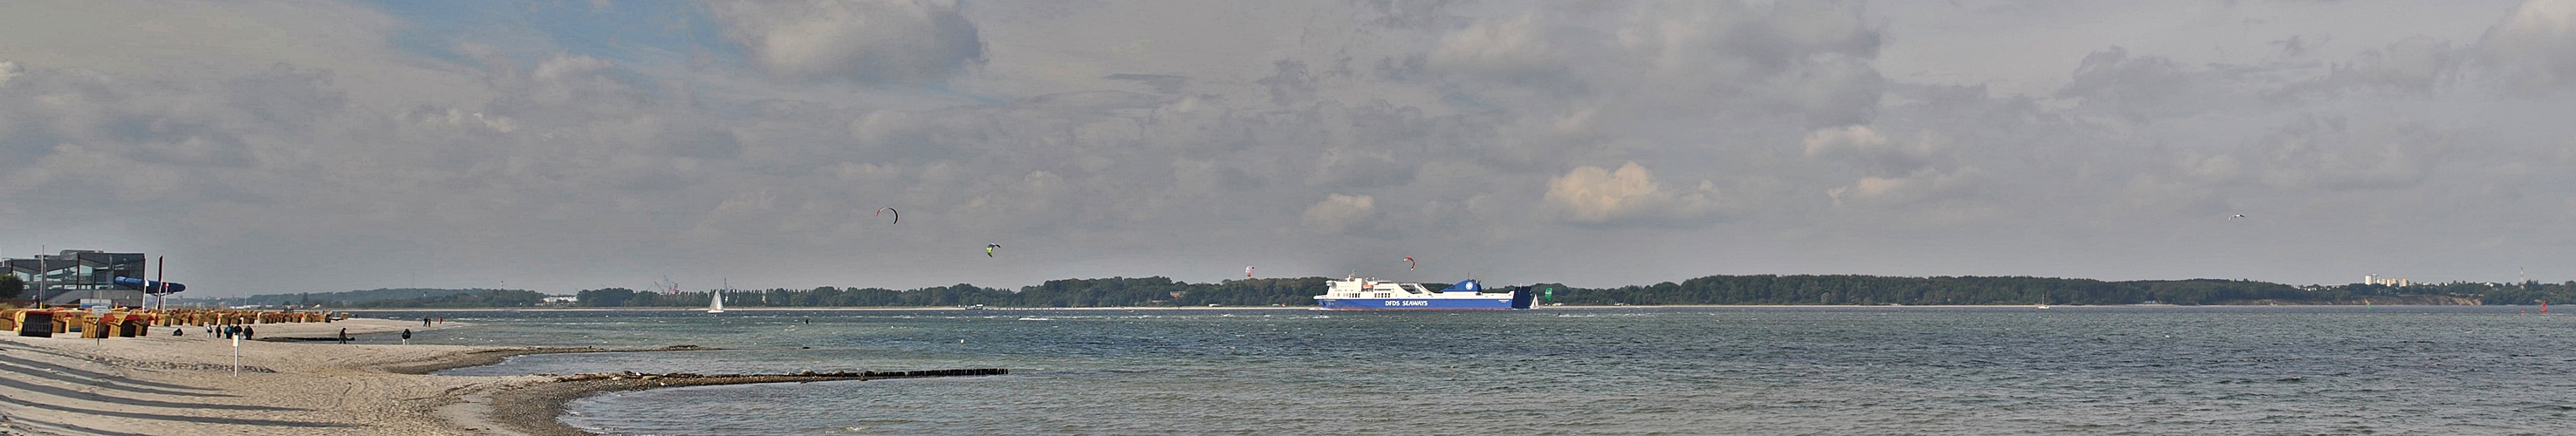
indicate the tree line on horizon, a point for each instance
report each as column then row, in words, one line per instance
column 387, row 298
column 1710, row 290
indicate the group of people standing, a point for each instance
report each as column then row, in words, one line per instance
column 227, row 332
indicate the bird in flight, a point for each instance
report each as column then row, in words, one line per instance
column 2234, row 217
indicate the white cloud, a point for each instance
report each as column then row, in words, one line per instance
column 1594, row 195
column 565, row 66
column 1863, row 146
column 1341, row 213
column 2535, row 46
column 1513, row 50
column 1920, row 185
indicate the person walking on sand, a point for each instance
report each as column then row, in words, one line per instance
column 247, row 334
column 424, row 321
column 344, row 335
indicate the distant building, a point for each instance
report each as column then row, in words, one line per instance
column 2375, row 279
column 76, row 274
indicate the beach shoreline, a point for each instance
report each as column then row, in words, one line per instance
column 167, row 384
column 185, row 384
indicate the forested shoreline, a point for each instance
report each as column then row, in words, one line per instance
column 1710, row 290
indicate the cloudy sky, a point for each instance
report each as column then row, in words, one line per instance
column 556, row 146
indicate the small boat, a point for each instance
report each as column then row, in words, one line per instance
column 715, row 304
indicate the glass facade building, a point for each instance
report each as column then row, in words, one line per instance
column 50, row 275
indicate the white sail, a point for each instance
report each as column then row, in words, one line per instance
column 716, row 303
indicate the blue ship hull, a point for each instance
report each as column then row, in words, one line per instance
column 1502, row 303
column 1416, row 303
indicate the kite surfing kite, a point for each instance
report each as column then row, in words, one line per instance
column 898, row 215
column 1409, row 264
column 988, row 249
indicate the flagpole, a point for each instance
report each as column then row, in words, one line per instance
column 160, row 291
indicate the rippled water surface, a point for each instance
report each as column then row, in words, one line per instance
column 2068, row 370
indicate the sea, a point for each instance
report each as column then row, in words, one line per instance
column 1572, row 371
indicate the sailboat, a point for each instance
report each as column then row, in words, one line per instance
column 716, row 304
column 2043, row 300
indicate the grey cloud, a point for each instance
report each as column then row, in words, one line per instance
column 1163, row 83
column 1291, row 85
column 1809, row 58
column 287, row 97
column 1737, row 59
column 2414, row 65
column 1416, row 127
column 892, row 41
column 2332, row 153
column 2300, row 45
column 2139, row 87
column 1410, row 14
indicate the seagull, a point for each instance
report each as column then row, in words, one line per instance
column 2234, row 217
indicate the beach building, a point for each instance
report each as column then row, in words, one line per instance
column 72, row 275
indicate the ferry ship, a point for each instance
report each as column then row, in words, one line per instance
column 1370, row 294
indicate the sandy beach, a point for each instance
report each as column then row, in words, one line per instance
column 186, row 385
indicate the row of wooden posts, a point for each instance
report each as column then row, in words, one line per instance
column 127, row 323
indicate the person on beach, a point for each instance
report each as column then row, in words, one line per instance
column 344, row 336
column 424, row 321
column 247, row 333
column 406, row 336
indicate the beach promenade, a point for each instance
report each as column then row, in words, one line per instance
column 168, row 384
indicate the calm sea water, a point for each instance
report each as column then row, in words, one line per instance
column 2068, row 370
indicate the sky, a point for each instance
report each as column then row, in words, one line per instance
column 316, row 146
